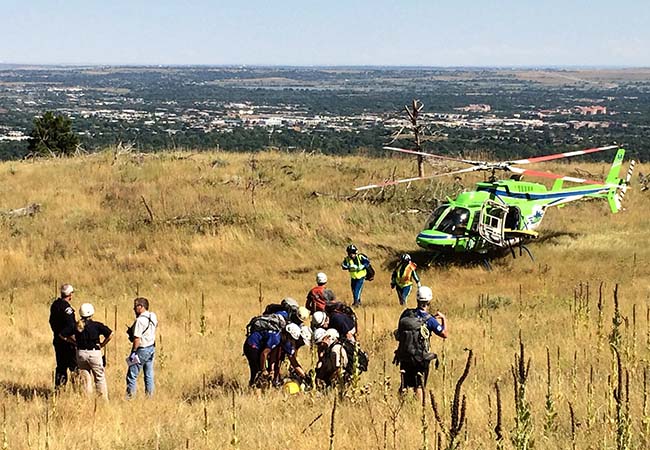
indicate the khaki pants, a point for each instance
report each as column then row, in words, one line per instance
column 91, row 368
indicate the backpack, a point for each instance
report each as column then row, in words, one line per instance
column 273, row 308
column 352, row 349
column 270, row 322
column 413, row 337
column 370, row 273
column 291, row 310
column 316, row 300
column 342, row 308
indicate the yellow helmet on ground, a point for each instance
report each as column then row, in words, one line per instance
column 291, row 387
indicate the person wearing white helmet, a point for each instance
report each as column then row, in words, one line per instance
column 413, row 354
column 87, row 335
column 319, row 296
column 319, row 320
column 61, row 317
column 403, row 278
column 358, row 265
column 332, row 358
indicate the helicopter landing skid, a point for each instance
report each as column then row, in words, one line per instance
column 522, row 249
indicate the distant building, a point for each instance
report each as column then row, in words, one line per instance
column 592, row 110
column 480, row 108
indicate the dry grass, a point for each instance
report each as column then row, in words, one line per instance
column 229, row 225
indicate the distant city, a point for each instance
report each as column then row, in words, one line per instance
column 332, row 110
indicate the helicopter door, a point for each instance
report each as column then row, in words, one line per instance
column 491, row 222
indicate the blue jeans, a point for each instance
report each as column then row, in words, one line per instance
column 146, row 355
column 357, row 285
column 403, row 293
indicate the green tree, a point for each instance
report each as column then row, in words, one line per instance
column 52, row 136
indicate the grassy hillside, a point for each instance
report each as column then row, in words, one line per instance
column 232, row 232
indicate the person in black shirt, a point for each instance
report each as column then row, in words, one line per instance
column 62, row 317
column 86, row 335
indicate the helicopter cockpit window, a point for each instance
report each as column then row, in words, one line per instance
column 454, row 222
column 433, row 218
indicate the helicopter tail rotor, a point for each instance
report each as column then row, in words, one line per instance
column 618, row 191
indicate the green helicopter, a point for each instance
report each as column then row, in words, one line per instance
column 502, row 214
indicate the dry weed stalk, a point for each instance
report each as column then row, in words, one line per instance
column 234, row 441
column 522, row 434
column 203, row 323
column 573, row 426
column 498, row 427
column 333, row 423
column 5, row 437
column 645, row 419
column 458, row 409
column 549, row 405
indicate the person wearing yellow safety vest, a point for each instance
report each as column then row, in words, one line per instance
column 356, row 263
column 403, row 277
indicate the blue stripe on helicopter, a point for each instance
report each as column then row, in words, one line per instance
column 544, row 196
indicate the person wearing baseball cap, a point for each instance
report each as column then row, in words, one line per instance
column 62, row 316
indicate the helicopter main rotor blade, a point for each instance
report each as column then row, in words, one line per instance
column 431, row 155
column 562, row 155
column 408, row 180
column 536, row 173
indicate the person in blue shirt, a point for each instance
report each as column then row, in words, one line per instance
column 413, row 353
column 357, row 264
column 264, row 348
column 292, row 338
column 257, row 348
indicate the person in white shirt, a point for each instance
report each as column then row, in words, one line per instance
column 143, row 336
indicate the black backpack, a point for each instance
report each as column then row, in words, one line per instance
column 413, row 337
column 270, row 322
column 353, row 351
column 342, row 308
column 370, row 273
column 291, row 310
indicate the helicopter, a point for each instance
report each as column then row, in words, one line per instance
column 501, row 214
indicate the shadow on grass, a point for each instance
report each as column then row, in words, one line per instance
column 27, row 392
column 217, row 385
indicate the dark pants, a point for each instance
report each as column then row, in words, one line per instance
column 414, row 376
column 253, row 356
column 66, row 359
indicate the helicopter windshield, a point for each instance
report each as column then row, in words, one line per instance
column 454, row 222
column 435, row 215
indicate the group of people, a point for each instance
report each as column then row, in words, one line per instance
column 78, row 345
column 284, row 328
column 324, row 323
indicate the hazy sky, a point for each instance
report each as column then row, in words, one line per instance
column 328, row 32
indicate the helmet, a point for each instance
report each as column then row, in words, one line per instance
column 86, row 310
column 303, row 313
column 424, row 294
column 319, row 334
column 288, row 301
column 321, row 278
column 291, row 387
column 66, row 290
column 332, row 334
column 351, row 248
column 318, row 319
column 305, row 334
column 293, row 330
column 405, row 258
